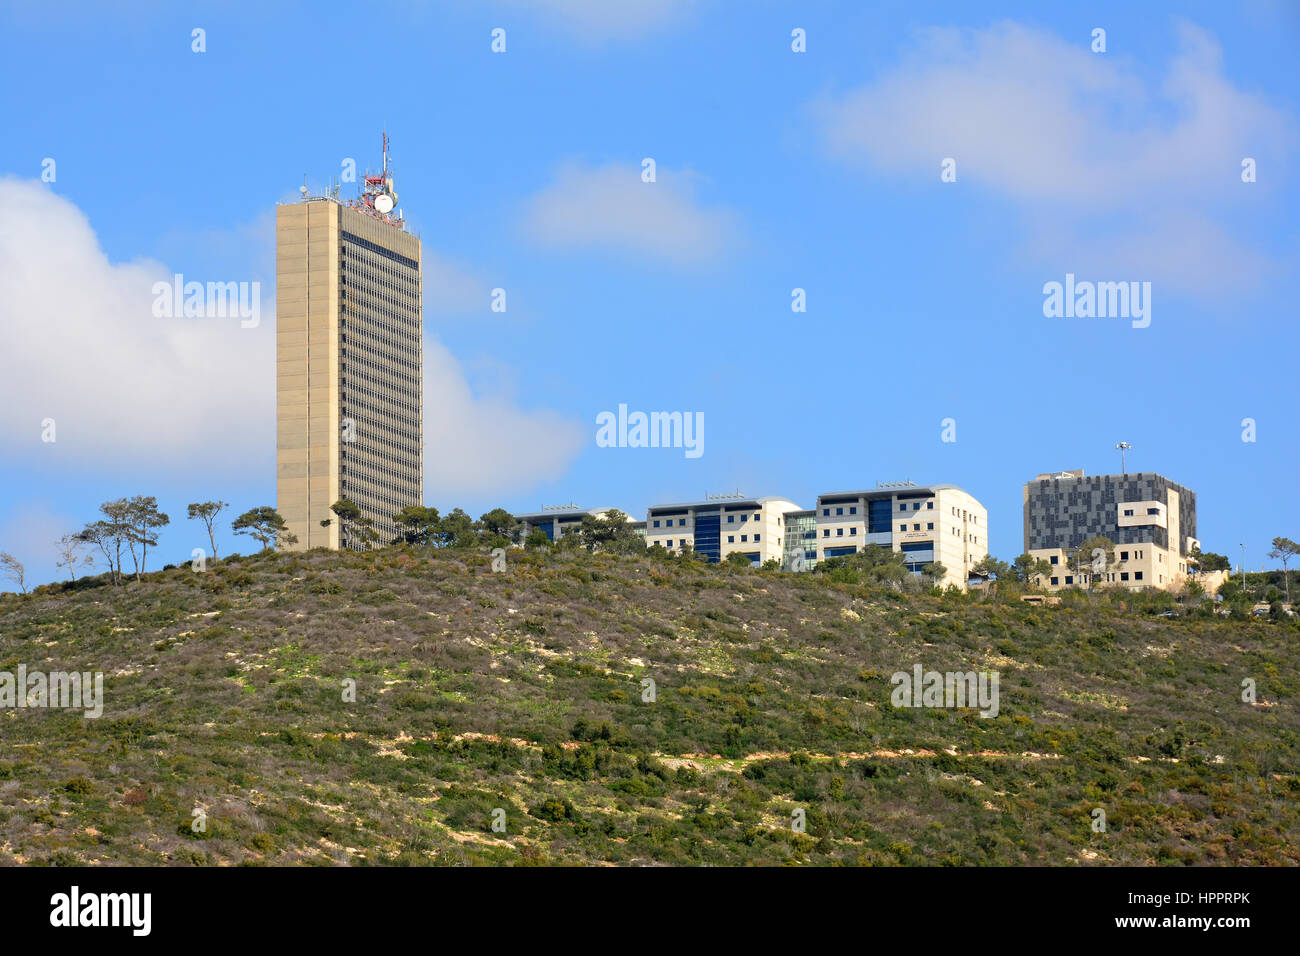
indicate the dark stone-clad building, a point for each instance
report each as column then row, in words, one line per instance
column 1064, row 509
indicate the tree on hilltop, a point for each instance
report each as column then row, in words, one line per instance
column 265, row 525
column 207, row 511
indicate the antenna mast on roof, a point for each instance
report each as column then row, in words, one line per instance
column 378, row 197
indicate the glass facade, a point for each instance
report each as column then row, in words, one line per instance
column 880, row 516
column 917, row 555
column 800, row 539
column 708, row 535
column 380, row 356
column 546, row 526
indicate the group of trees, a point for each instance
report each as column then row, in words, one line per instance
column 130, row 526
column 1086, row 563
column 130, row 523
column 1026, row 569
column 876, row 564
column 425, row 527
column 421, row 526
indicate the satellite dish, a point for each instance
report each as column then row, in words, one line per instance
column 384, row 203
column 303, row 190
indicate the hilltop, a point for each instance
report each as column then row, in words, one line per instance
column 522, row 692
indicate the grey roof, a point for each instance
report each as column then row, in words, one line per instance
column 1063, row 476
column 722, row 502
column 558, row 513
column 890, row 492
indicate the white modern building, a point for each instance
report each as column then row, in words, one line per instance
column 721, row 525
column 929, row 524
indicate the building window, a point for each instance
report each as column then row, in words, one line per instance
column 1137, row 575
column 731, row 539
column 1123, row 575
column 1153, row 511
column 826, row 512
column 1123, row 555
column 758, row 538
column 682, row 542
column 903, row 506
column 929, row 506
column 826, row 532
column 902, row 527
column 731, row 519
column 929, row 526
column 853, row 532
column 1055, row 581
column 916, row 527
column 839, row 532
column 1069, row 579
column 839, row 511
column 853, row 510
column 1128, row 512
column 1055, row 559
column 878, row 517
column 744, row 537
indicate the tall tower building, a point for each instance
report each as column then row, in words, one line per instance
column 348, row 362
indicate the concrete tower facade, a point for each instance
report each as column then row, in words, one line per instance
column 349, row 359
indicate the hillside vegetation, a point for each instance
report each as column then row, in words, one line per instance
column 518, row 697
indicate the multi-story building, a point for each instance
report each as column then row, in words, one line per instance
column 348, row 363
column 1150, row 519
column 555, row 521
column 929, row 524
column 722, row 524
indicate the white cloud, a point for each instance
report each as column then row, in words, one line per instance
column 611, row 207
column 595, row 20
column 1095, row 157
column 451, row 289
column 189, row 396
column 487, row 445
column 84, row 348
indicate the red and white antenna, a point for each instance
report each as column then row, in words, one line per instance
column 378, row 197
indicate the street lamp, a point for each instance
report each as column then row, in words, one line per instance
column 1123, row 447
column 1243, row 565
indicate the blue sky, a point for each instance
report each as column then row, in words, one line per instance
column 776, row 170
